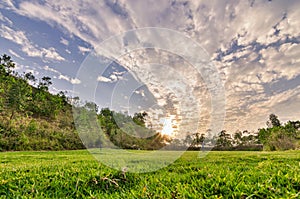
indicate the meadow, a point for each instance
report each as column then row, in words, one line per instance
column 76, row 174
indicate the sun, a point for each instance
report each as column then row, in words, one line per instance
column 169, row 126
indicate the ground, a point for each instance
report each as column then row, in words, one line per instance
column 76, row 174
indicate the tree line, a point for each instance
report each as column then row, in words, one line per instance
column 276, row 136
column 129, row 132
column 110, row 129
column 31, row 118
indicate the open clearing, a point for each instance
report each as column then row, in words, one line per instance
column 76, row 174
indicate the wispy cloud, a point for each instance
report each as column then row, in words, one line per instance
column 47, row 68
column 113, row 77
column 69, row 79
column 7, row 4
column 84, row 50
column 5, row 19
column 15, row 54
column 59, row 75
column 104, row 79
column 20, row 38
column 254, row 44
column 64, row 41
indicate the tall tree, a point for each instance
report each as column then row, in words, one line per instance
column 224, row 139
column 140, row 118
column 273, row 121
column 17, row 96
column 199, row 139
column 6, row 68
column 238, row 137
column 6, row 65
column 45, row 83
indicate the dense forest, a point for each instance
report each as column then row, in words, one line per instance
column 31, row 118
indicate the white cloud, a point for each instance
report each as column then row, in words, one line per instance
column 61, row 76
column 7, row 4
column 47, row 68
column 75, row 81
column 68, row 51
column 20, row 38
column 64, row 41
column 13, row 53
column 69, row 79
column 114, row 77
column 5, row 19
column 285, row 62
column 245, row 68
column 84, row 50
column 140, row 92
column 103, row 79
column 1, row 17
column 51, row 53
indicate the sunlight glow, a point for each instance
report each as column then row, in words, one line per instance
column 169, row 126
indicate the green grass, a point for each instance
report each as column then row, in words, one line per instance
column 76, row 174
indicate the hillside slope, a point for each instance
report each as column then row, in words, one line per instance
column 31, row 118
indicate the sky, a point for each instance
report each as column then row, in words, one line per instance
column 249, row 48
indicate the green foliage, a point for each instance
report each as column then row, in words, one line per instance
column 76, row 174
column 32, row 118
column 280, row 137
column 6, row 65
column 198, row 139
column 18, row 95
column 129, row 132
column 113, row 129
column 224, row 140
column 140, row 118
column 276, row 137
column 273, row 121
column 44, row 83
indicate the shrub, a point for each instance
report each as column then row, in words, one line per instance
column 32, row 127
column 282, row 142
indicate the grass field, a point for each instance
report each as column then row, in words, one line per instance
column 76, row 174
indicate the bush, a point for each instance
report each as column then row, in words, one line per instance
column 281, row 142
column 280, row 138
column 32, row 127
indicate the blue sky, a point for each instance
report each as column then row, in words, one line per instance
column 253, row 44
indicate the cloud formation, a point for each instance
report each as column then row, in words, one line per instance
column 59, row 75
column 254, row 45
column 20, row 38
